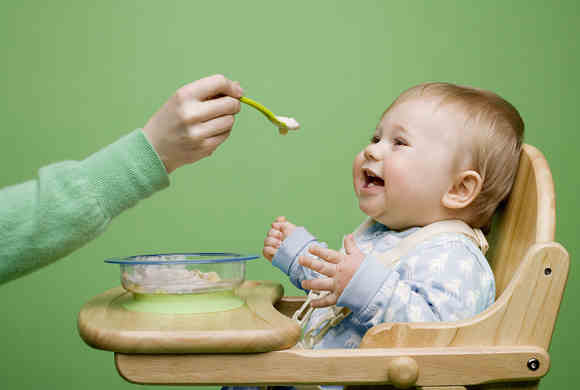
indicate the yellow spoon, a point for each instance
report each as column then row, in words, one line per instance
column 283, row 123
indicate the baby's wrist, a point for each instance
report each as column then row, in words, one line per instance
column 291, row 248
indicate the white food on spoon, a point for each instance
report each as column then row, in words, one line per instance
column 291, row 123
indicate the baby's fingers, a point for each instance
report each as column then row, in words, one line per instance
column 285, row 227
column 327, row 254
column 269, row 252
column 325, row 301
column 273, row 242
column 317, row 265
column 320, row 284
column 350, row 245
column 275, row 234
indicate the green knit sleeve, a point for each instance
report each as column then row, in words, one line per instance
column 71, row 203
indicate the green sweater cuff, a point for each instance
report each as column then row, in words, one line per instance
column 125, row 172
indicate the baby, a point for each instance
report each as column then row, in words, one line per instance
column 441, row 160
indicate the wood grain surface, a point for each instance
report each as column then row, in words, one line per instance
column 434, row 367
column 256, row 326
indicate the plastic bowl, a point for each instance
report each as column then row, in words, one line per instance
column 182, row 273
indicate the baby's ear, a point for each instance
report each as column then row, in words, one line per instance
column 464, row 190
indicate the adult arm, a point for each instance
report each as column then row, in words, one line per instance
column 72, row 202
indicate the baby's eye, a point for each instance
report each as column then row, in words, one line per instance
column 375, row 139
column 399, row 142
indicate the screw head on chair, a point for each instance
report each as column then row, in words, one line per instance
column 533, row 364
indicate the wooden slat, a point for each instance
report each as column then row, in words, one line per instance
column 436, row 366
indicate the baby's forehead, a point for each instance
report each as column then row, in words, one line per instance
column 423, row 110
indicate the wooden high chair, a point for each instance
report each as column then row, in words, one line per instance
column 503, row 347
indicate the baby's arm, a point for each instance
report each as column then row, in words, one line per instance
column 440, row 281
column 284, row 244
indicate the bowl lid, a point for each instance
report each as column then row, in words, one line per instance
column 183, row 258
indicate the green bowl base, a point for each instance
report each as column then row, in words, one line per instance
column 210, row 302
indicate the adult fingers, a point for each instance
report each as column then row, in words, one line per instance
column 212, row 86
column 211, row 128
column 193, row 111
column 319, row 266
column 211, row 144
column 326, row 254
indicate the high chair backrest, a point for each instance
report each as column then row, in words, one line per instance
column 530, row 270
column 528, row 218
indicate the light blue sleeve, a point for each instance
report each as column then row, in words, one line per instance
column 441, row 280
column 294, row 246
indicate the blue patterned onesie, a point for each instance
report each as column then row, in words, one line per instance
column 444, row 278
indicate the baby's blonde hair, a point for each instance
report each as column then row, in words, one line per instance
column 499, row 131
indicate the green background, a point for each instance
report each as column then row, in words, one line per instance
column 77, row 75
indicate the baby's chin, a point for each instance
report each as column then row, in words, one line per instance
column 383, row 219
column 369, row 212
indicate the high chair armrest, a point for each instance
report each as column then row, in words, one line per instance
column 401, row 367
column 524, row 314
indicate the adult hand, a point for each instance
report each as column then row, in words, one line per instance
column 194, row 121
column 338, row 267
column 281, row 229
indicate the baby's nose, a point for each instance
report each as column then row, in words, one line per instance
column 371, row 152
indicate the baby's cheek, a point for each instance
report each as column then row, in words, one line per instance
column 397, row 174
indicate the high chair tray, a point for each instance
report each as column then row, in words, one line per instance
column 256, row 326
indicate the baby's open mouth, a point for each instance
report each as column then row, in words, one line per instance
column 372, row 180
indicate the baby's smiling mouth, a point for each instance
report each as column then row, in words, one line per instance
column 372, row 179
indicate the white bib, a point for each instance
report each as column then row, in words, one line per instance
column 336, row 314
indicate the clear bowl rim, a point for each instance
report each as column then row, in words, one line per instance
column 233, row 257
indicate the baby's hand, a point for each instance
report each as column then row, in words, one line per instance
column 194, row 121
column 281, row 229
column 339, row 268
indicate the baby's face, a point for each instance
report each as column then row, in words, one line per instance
column 416, row 152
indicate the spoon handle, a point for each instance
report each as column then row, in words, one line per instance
column 269, row 114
